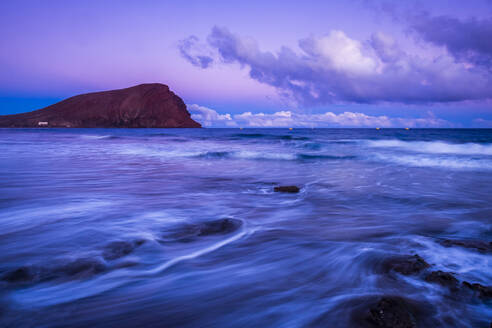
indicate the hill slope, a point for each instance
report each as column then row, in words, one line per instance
column 142, row 106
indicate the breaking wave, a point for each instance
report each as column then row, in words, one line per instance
column 437, row 162
column 434, row 147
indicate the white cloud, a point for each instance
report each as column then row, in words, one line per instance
column 335, row 68
column 340, row 52
column 210, row 118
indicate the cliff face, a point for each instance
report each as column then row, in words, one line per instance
column 141, row 106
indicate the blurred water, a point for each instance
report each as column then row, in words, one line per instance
column 95, row 219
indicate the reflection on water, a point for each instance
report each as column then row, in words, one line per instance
column 182, row 228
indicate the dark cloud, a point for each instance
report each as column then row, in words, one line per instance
column 190, row 49
column 467, row 40
column 335, row 68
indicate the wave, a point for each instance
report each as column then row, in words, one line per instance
column 437, row 162
column 263, row 155
column 250, row 135
column 270, row 156
column 327, row 157
column 269, row 136
column 215, row 154
column 242, row 154
column 312, row 146
column 434, row 147
column 100, row 137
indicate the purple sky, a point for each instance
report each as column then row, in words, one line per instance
column 315, row 63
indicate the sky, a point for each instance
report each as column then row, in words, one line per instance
column 357, row 63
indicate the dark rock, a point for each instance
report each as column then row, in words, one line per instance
column 22, row 274
column 142, row 106
column 481, row 246
column 442, row 278
column 219, row 227
column 406, row 265
column 483, row 291
column 83, row 267
column 392, row 312
column 190, row 232
column 118, row 249
column 139, row 242
column 290, row 189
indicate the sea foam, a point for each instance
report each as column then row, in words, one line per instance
column 434, row 147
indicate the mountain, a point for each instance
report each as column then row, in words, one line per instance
column 142, row 106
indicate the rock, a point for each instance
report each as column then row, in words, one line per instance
column 392, row 312
column 118, row 249
column 290, row 189
column 221, row 226
column 190, row 232
column 483, row 291
column 142, row 106
column 83, row 267
column 406, row 265
column 481, row 246
column 22, row 274
column 442, row 278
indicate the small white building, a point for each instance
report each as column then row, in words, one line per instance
column 42, row 123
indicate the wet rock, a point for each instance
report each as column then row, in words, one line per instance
column 481, row 246
column 406, row 265
column 190, row 232
column 222, row 226
column 483, row 291
column 118, row 249
column 442, row 278
column 139, row 242
column 22, row 274
column 394, row 312
column 289, row 189
column 82, row 267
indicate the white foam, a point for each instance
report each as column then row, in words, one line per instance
column 434, row 147
column 95, row 137
column 263, row 155
column 174, row 153
column 197, row 253
column 437, row 162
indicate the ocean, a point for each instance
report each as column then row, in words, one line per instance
column 183, row 228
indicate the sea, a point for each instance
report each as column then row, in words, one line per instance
column 184, row 228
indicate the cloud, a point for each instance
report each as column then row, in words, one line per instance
column 335, row 68
column 195, row 52
column 468, row 40
column 210, row 118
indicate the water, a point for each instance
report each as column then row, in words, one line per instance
column 290, row 260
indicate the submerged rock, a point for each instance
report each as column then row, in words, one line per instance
column 77, row 268
column 118, row 249
column 442, row 278
column 406, row 265
column 82, row 267
column 392, row 312
column 481, row 246
column 290, row 189
column 483, row 291
column 222, row 226
column 22, row 274
column 190, row 232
